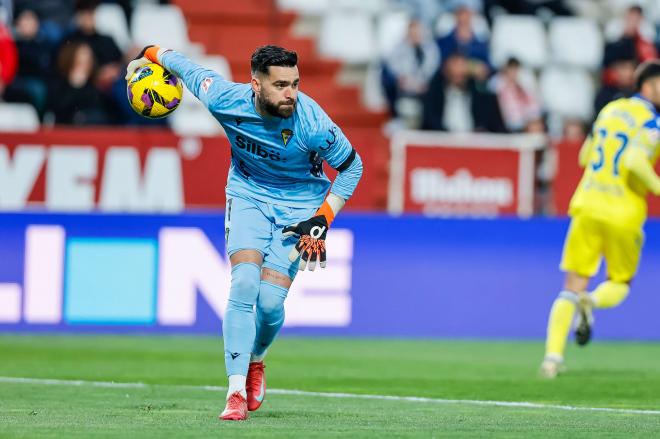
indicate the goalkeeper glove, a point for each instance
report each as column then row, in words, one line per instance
column 150, row 54
column 311, row 245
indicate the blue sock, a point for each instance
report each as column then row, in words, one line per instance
column 270, row 315
column 238, row 327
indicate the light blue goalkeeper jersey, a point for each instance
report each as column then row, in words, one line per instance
column 274, row 160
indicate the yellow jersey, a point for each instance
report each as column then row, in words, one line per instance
column 607, row 190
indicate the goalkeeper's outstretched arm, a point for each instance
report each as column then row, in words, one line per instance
column 205, row 84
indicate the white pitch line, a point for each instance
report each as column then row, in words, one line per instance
column 518, row 404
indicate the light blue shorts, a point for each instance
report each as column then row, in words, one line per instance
column 255, row 225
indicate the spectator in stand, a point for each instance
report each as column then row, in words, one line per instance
column 574, row 130
column 34, row 63
column 408, row 70
column 456, row 102
column 55, row 16
column 632, row 37
column 630, row 45
column 463, row 40
column 106, row 52
column 8, row 58
column 517, row 100
column 75, row 100
column 621, row 82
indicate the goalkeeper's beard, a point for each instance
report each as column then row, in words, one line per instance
column 283, row 109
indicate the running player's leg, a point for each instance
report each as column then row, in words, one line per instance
column 622, row 253
column 580, row 261
column 270, row 310
column 248, row 232
column 276, row 278
column 269, row 319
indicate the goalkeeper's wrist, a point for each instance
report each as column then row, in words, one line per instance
column 155, row 54
column 331, row 207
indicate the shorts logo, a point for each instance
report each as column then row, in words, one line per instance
column 206, row 84
column 286, row 135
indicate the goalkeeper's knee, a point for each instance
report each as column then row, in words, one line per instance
column 270, row 305
column 245, row 280
column 609, row 294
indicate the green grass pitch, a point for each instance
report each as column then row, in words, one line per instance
column 174, row 402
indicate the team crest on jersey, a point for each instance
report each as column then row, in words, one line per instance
column 287, row 134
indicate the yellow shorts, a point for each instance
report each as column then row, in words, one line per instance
column 589, row 239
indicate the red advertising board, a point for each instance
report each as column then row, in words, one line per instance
column 140, row 170
column 115, row 170
column 463, row 175
column 461, row 181
column 569, row 174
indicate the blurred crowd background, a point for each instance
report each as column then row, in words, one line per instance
column 451, row 65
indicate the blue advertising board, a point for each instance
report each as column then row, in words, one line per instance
column 405, row 277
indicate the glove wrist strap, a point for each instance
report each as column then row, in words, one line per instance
column 331, row 207
column 154, row 54
column 326, row 211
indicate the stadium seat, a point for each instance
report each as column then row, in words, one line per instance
column 372, row 7
column 568, row 92
column 305, row 7
column 576, row 42
column 446, row 23
column 111, row 21
column 372, row 90
column 18, row 118
column 348, row 36
column 653, row 11
column 194, row 120
column 162, row 23
column 391, row 29
column 520, row 36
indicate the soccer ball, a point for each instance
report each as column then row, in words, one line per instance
column 154, row 92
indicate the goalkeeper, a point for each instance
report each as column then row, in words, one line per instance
column 280, row 203
column 608, row 212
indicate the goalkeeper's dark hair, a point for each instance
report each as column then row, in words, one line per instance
column 266, row 56
column 647, row 70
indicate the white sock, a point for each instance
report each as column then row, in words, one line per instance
column 257, row 358
column 236, row 384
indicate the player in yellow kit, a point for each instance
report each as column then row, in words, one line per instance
column 608, row 211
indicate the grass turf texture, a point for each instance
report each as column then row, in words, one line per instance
column 613, row 375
